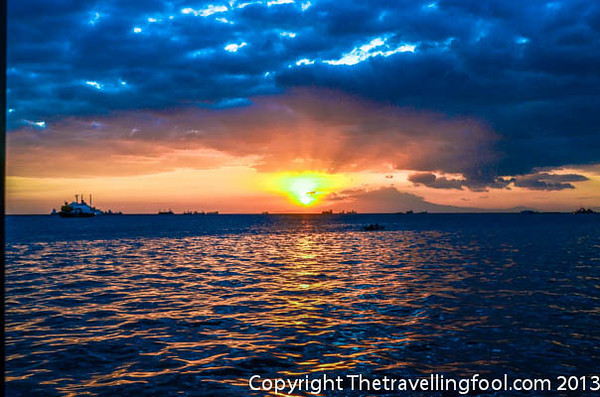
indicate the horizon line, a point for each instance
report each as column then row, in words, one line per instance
column 323, row 214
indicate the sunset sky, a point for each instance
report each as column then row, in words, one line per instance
column 302, row 106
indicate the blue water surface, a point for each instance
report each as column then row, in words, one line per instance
column 195, row 305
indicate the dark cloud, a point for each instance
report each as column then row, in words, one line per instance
column 528, row 71
column 536, row 181
column 431, row 180
column 545, row 181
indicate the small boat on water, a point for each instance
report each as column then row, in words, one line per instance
column 374, row 227
column 169, row 212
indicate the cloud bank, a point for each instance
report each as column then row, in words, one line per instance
column 307, row 129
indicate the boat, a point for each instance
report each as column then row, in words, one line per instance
column 374, row 227
column 190, row 212
column 169, row 212
column 78, row 209
column 110, row 212
column 582, row 210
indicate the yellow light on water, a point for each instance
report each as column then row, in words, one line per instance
column 306, row 188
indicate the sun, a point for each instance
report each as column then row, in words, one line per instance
column 306, row 188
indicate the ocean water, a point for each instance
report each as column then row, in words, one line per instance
column 196, row 305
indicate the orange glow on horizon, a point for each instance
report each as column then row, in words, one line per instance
column 242, row 189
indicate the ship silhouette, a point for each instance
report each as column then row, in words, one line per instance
column 78, row 209
column 582, row 210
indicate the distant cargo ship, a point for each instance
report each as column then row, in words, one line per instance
column 169, row 212
column 201, row 213
column 330, row 212
column 582, row 210
column 110, row 212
